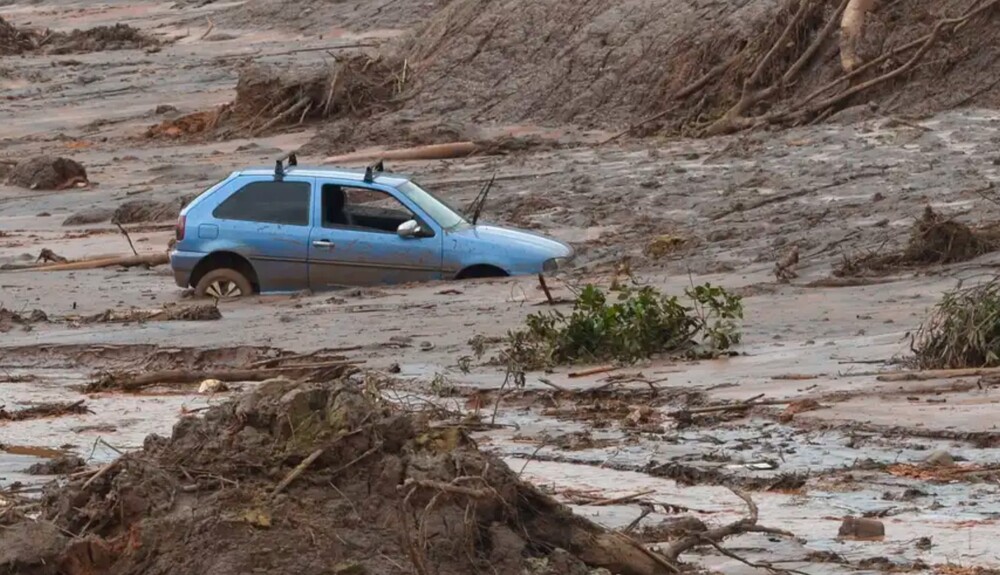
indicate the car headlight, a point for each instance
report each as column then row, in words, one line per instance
column 555, row 264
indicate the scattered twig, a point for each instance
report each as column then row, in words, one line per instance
column 127, row 237
column 545, row 288
column 592, row 371
column 294, row 473
column 622, row 499
column 211, row 26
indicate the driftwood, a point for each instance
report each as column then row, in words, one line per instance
column 429, row 152
column 150, row 260
column 135, row 381
column 939, row 374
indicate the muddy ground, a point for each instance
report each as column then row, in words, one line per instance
column 676, row 211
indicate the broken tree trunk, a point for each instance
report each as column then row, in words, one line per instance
column 852, row 29
column 429, row 152
column 151, row 260
column 931, row 374
column 134, row 381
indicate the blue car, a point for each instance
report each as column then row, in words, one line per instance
column 291, row 228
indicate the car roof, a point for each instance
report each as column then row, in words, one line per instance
column 330, row 172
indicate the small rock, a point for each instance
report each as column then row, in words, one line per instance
column 47, row 173
column 861, row 528
column 939, row 458
column 212, row 386
column 58, row 466
column 164, row 109
column 924, row 543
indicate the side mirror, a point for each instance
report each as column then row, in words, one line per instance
column 408, row 229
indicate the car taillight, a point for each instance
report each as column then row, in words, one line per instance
column 181, row 221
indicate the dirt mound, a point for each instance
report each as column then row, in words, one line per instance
column 146, row 211
column 10, row 319
column 89, row 216
column 934, row 239
column 304, row 478
column 48, row 173
column 696, row 67
column 15, row 40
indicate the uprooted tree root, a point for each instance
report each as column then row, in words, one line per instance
column 769, row 68
column 326, row 475
column 934, row 239
column 269, row 97
column 963, row 330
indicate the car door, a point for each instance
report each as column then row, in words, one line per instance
column 354, row 239
column 267, row 221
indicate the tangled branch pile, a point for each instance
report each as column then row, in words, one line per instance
column 269, row 97
column 15, row 40
column 963, row 330
column 934, row 239
column 310, row 478
column 642, row 322
column 696, row 68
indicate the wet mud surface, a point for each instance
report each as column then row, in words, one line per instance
column 724, row 210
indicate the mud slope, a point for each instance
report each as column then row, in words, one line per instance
column 610, row 63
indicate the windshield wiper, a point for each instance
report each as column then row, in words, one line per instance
column 480, row 201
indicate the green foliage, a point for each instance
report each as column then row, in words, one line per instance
column 963, row 330
column 638, row 323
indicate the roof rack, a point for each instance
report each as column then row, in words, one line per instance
column 279, row 169
column 370, row 171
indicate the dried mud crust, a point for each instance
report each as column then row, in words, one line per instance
column 610, row 63
column 379, row 491
column 14, row 40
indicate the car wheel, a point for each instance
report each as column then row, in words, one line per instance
column 223, row 283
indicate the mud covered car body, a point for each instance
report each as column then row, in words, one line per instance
column 295, row 228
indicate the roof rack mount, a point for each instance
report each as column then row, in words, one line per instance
column 279, row 169
column 370, row 171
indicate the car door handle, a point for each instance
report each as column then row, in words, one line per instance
column 322, row 244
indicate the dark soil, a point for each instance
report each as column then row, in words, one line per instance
column 58, row 466
column 384, row 493
column 47, row 173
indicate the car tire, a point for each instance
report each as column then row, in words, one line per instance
column 223, row 284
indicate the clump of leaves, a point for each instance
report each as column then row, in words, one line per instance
column 637, row 323
column 963, row 330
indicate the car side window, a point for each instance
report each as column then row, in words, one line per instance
column 363, row 209
column 268, row 202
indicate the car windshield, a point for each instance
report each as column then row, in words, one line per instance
column 445, row 215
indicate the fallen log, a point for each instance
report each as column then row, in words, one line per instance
column 930, row 374
column 150, row 260
column 428, row 152
column 135, row 381
column 44, row 410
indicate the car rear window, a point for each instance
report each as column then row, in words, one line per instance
column 270, row 202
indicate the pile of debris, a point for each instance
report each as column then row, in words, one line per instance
column 934, row 239
column 329, row 476
column 269, row 97
column 147, row 211
column 14, row 40
column 698, row 68
column 9, row 319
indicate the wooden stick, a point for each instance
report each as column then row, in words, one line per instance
column 545, row 288
column 593, row 371
column 938, row 374
column 622, row 499
column 279, row 359
column 100, row 473
column 124, row 233
column 293, row 474
column 191, row 376
column 151, row 260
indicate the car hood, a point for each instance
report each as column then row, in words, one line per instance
column 520, row 238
